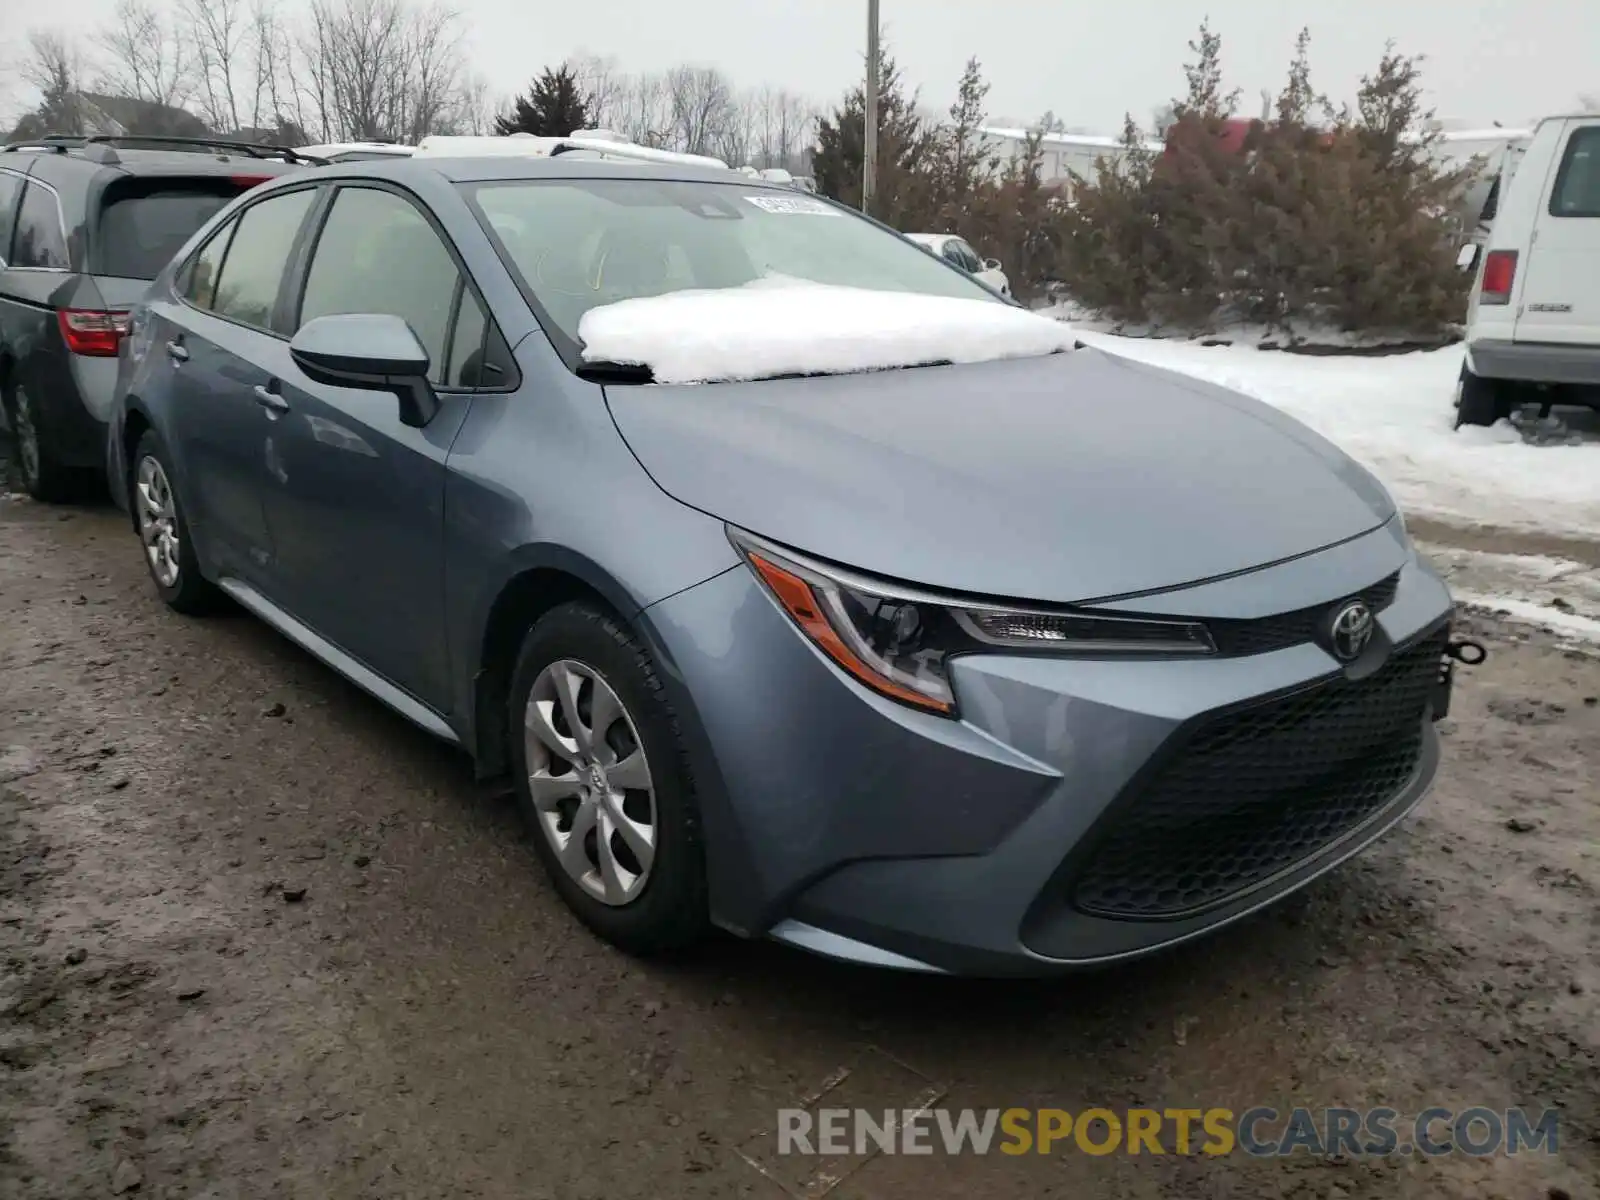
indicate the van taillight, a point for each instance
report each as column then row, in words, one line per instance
column 92, row 332
column 1499, row 272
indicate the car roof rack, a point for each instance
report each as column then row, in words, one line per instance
column 102, row 147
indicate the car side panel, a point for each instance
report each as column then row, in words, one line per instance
column 33, row 354
column 218, row 432
column 543, row 469
column 355, row 500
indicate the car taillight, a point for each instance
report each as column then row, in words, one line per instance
column 91, row 332
column 245, row 182
column 1499, row 273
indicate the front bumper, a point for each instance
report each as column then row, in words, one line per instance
column 854, row 827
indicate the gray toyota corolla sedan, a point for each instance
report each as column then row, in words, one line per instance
column 1003, row 664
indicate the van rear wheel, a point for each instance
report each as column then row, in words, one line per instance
column 42, row 477
column 1481, row 401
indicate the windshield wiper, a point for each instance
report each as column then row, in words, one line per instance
column 600, row 371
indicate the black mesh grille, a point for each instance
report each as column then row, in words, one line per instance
column 1258, row 790
column 1293, row 628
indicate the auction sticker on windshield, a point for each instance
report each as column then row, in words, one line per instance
column 794, row 206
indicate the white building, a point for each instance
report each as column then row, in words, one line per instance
column 1067, row 154
column 1063, row 154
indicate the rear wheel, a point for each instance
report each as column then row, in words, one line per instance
column 164, row 533
column 1481, row 401
column 43, row 477
column 603, row 781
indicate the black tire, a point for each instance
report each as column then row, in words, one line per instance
column 670, row 913
column 42, row 475
column 190, row 593
column 1482, row 401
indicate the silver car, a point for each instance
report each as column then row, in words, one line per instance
column 1006, row 667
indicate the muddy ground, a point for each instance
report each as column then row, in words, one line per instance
column 260, row 938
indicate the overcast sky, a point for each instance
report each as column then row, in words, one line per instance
column 1088, row 61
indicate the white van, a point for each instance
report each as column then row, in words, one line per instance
column 1533, row 329
column 343, row 152
column 527, row 145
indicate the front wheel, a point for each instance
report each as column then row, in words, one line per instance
column 603, row 781
column 1481, row 401
column 164, row 532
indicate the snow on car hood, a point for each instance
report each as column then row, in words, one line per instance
column 777, row 327
column 1067, row 478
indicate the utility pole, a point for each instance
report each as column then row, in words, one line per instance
column 869, row 147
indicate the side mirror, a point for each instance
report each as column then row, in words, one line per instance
column 376, row 351
column 991, row 264
column 1468, row 256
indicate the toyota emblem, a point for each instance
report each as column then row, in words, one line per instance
column 1351, row 630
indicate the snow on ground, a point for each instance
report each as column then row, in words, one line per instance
column 787, row 327
column 1551, row 593
column 1395, row 414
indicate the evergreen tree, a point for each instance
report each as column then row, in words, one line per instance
column 964, row 160
column 555, row 106
column 1206, row 100
column 905, row 148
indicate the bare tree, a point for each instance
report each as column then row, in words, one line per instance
column 277, row 76
column 380, row 69
column 432, row 93
column 475, row 110
column 797, row 126
column 603, row 87
column 701, row 104
column 54, row 67
column 642, row 111
column 782, row 128
column 147, row 55
column 735, row 140
column 229, row 87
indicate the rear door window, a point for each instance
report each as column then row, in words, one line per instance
column 143, row 227
column 257, row 257
column 199, row 282
column 1577, row 190
column 39, row 241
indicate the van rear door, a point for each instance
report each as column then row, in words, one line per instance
column 1560, row 298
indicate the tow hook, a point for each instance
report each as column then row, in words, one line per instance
column 1459, row 650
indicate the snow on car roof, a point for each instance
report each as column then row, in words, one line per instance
column 793, row 327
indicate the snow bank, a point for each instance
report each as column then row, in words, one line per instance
column 788, row 327
column 1553, row 593
column 1573, row 626
column 1394, row 414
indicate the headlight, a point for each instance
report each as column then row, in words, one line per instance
column 900, row 641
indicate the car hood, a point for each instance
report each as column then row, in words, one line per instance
column 1068, row 478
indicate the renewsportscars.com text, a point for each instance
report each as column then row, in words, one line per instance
column 1261, row 1132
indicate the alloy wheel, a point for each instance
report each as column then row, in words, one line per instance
column 158, row 521
column 590, row 781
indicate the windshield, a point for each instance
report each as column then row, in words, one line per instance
column 579, row 244
column 141, row 231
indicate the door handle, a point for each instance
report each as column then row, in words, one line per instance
column 176, row 352
column 271, row 401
